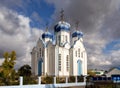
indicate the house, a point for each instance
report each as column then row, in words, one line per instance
column 113, row 71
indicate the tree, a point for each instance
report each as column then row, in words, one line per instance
column 25, row 70
column 91, row 73
column 8, row 65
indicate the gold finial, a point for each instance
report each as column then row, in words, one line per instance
column 77, row 24
column 46, row 27
column 62, row 15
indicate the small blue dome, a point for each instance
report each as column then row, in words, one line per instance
column 62, row 26
column 47, row 35
column 77, row 34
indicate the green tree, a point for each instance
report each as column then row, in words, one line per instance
column 25, row 70
column 91, row 73
column 8, row 65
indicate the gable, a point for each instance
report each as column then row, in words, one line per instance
column 41, row 43
column 67, row 45
column 77, row 44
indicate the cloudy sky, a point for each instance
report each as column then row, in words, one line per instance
column 23, row 21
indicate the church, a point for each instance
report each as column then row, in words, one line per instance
column 66, row 56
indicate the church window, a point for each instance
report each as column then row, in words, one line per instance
column 59, row 39
column 66, row 38
column 79, row 52
column 37, row 54
column 59, row 62
column 40, row 52
column 76, row 53
column 67, row 63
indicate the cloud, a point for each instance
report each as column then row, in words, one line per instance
column 99, row 21
column 16, row 34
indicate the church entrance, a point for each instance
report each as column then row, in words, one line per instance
column 79, row 66
column 40, row 67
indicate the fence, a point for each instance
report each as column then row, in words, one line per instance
column 54, row 85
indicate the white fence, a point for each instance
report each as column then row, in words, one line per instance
column 39, row 85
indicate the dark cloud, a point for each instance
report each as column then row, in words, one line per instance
column 90, row 13
column 99, row 20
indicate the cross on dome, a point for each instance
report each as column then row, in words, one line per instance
column 62, row 14
column 46, row 27
column 77, row 24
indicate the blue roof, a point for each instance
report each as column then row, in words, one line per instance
column 77, row 34
column 47, row 35
column 118, row 68
column 62, row 26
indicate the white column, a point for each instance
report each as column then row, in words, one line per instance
column 39, row 80
column 76, row 79
column 84, row 78
column 21, row 80
column 66, row 79
column 54, row 80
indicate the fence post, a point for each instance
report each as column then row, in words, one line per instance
column 84, row 78
column 39, row 80
column 54, row 80
column 66, row 79
column 76, row 79
column 21, row 80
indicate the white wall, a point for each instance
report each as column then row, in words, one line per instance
column 79, row 44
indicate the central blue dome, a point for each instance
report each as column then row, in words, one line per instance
column 77, row 34
column 62, row 26
column 47, row 35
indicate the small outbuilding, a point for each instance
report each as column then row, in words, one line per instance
column 113, row 71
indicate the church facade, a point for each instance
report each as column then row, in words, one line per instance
column 65, row 57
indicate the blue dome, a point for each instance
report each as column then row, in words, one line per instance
column 62, row 26
column 77, row 34
column 47, row 35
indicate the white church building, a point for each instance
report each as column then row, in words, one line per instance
column 64, row 57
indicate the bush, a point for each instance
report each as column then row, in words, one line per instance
column 29, row 80
column 71, row 79
column 80, row 78
column 47, row 80
column 60, row 80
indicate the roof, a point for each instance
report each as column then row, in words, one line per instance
column 47, row 35
column 62, row 26
column 117, row 68
column 77, row 34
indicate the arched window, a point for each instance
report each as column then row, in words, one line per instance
column 79, row 52
column 59, row 39
column 67, row 63
column 66, row 38
column 59, row 62
column 40, row 52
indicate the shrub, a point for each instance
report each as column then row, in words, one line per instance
column 71, row 79
column 80, row 78
column 60, row 80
